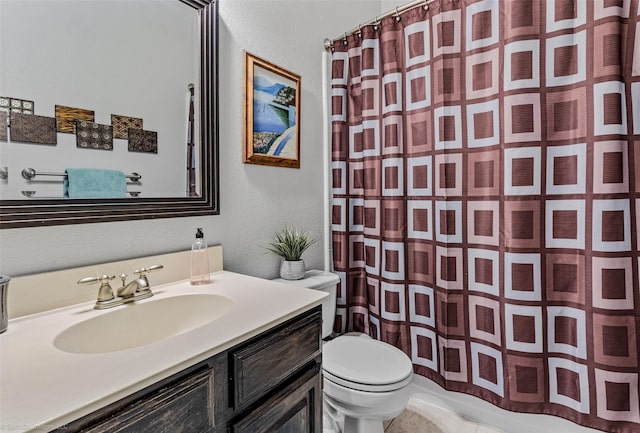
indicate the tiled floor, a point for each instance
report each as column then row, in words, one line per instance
column 411, row 422
column 422, row 417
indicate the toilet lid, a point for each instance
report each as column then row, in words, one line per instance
column 360, row 362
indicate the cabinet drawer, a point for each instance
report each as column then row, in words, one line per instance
column 182, row 407
column 260, row 366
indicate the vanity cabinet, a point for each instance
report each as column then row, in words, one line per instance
column 269, row 383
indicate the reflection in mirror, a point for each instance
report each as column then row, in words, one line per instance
column 136, row 81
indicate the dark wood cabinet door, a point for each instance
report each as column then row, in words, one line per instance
column 183, row 407
column 295, row 409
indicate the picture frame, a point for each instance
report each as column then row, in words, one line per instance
column 272, row 114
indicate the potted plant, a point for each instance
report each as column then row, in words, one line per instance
column 289, row 244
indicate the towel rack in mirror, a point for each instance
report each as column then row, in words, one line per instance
column 31, row 194
column 30, row 173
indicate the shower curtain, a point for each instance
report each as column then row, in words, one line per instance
column 486, row 199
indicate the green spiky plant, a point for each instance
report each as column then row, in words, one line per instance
column 290, row 243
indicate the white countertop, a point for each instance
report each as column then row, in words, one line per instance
column 42, row 387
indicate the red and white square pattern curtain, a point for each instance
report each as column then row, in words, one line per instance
column 486, row 199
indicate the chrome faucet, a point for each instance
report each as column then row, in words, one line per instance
column 129, row 292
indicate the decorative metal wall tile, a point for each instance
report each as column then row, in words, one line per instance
column 121, row 125
column 15, row 105
column 3, row 126
column 91, row 135
column 66, row 117
column 29, row 128
column 143, row 141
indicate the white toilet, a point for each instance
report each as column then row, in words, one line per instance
column 365, row 381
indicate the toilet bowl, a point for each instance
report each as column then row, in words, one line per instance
column 365, row 381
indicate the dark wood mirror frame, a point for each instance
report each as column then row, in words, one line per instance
column 47, row 212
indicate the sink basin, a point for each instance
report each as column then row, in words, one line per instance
column 135, row 325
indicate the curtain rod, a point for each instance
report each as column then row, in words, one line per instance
column 328, row 43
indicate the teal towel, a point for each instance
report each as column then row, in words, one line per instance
column 94, row 183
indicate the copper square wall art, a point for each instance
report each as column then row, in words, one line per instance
column 121, row 125
column 143, row 141
column 66, row 117
column 29, row 128
column 3, row 126
column 91, row 135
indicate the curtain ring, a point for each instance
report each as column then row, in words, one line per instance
column 426, row 5
column 376, row 23
column 345, row 39
column 360, row 31
column 397, row 15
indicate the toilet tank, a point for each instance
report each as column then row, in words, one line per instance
column 327, row 282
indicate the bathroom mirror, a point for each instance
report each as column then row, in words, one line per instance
column 197, row 23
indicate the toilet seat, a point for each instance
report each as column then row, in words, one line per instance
column 365, row 364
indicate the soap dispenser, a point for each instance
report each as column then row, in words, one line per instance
column 199, row 260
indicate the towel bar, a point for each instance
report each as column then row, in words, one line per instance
column 31, row 194
column 30, row 173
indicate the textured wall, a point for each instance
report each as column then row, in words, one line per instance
column 255, row 200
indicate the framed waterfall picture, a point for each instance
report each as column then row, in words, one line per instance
column 272, row 114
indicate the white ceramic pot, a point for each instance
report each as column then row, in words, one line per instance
column 292, row 270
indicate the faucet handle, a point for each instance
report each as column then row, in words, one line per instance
column 105, row 292
column 142, row 274
column 144, row 271
column 104, row 279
